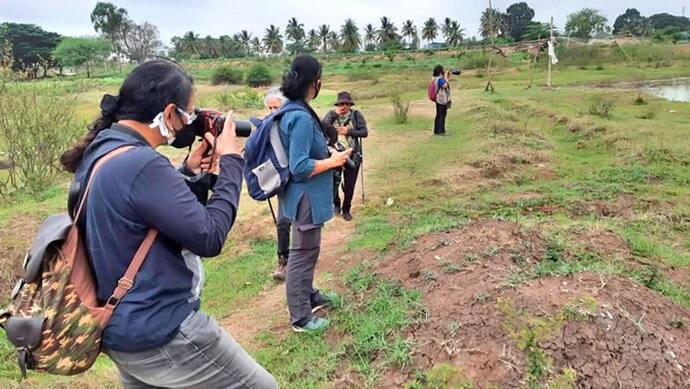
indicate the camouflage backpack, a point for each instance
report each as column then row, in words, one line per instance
column 54, row 319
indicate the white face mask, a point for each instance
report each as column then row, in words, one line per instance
column 159, row 122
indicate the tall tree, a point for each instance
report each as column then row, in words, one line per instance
column 454, row 34
column 295, row 32
column 518, row 17
column 245, row 39
column 82, row 52
column 492, row 23
column 349, row 34
column 324, row 32
column 313, row 40
column 256, row 46
column 663, row 20
column 110, row 21
column 430, row 30
column 632, row 23
column 387, row 34
column 409, row 31
column 273, row 40
column 140, row 41
column 32, row 47
column 586, row 22
column 333, row 41
column 369, row 36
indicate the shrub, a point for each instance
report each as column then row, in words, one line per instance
column 648, row 115
column 602, row 107
column 258, row 75
column 36, row 126
column 401, row 107
column 244, row 99
column 227, row 75
column 640, row 100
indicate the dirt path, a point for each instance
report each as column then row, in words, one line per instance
column 268, row 310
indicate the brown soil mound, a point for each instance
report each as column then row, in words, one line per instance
column 605, row 244
column 628, row 336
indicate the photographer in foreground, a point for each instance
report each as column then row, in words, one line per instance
column 349, row 124
column 307, row 199
column 157, row 336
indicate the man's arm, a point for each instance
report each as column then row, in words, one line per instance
column 359, row 130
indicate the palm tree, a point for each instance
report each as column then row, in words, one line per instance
column 492, row 23
column 409, row 30
column 313, row 40
column 445, row 29
column 369, row 35
column 454, row 34
column 333, row 41
column 350, row 36
column 388, row 33
column 273, row 40
column 324, row 31
column 256, row 46
column 430, row 30
column 294, row 31
column 244, row 38
column 190, row 43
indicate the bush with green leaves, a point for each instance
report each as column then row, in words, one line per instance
column 401, row 107
column 241, row 99
column 601, row 106
column 227, row 75
column 258, row 75
column 36, row 126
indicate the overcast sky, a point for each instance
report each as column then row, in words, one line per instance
column 218, row 17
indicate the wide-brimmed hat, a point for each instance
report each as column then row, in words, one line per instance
column 344, row 97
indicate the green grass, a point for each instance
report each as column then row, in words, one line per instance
column 367, row 327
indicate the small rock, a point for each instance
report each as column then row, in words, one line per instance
column 414, row 274
column 389, row 202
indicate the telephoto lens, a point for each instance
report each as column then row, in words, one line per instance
column 456, row 71
column 213, row 121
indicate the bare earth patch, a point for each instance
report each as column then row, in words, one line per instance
column 629, row 336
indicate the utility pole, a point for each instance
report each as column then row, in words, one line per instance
column 550, row 59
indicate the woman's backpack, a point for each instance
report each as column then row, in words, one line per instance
column 266, row 168
column 54, row 319
column 432, row 91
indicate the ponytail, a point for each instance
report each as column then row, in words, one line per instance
column 146, row 91
column 71, row 158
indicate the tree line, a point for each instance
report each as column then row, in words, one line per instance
column 30, row 49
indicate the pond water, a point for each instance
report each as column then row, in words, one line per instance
column 678, row 90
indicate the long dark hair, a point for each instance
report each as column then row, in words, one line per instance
column 304, row 70
column 146, row 91
column 438, row 70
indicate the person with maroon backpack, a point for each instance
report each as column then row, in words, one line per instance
column 439, row 93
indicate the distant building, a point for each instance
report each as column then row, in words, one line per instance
column 436, row 46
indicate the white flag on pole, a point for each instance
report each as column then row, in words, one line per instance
column 552, row 54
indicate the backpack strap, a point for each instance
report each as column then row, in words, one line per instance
column 127, row 281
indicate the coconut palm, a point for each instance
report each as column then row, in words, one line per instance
column 324, row 32
column 388, row 33
column 369, row 35
column 256, row 46
column 244, row 38
column 294, row 31
column 454, row 34
column 273, row 40
column 409, row 31
column 313, row 40
column 430, row 30
column 492, row 23
column 349, row 33
column 333, row 41
column 190, row 43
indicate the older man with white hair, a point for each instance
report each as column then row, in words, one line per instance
column 273, row 101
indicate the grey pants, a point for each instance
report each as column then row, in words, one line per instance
column 202, row 355
column 306, row 244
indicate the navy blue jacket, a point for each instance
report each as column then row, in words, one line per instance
column 133, row 192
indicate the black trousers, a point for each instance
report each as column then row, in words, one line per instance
column 349, row 177
column 283, row 231
column 440, row 121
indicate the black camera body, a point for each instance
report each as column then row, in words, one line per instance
column 208, row 120
column 340, row 148
column 456, row 71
